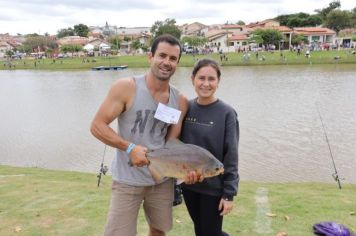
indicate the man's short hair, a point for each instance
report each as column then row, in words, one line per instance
column 168, row 39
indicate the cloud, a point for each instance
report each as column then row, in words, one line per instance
column 80, row 4
column 49, row 16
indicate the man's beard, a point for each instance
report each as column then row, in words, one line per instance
column 163, row 78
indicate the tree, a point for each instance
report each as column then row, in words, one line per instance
column 240, row 22
column 136, row 44
column 338, row 20
column 65, row 32
column 38, row 43
column 31, row 35
column 314, row 20
column 9, row 53
column 115, row 42
column 300, row 19
column 127, row 39
column 298, row 39
column 144, row 48
column 256, row 38
column 49, row 52
column 165, row 27
column 325, row 11
column 81, row 30
column 269, row 36
column 295, row 22
column 353, row 38
column 71, row 48
column 194, row 41
column 353, row 18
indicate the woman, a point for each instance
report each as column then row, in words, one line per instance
column 213, row 125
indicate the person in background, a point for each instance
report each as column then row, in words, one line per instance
column 212, row 124
column 134, row 101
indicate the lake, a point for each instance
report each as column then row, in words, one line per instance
column 46, row 115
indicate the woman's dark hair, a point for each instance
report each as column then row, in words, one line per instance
column 168, row 39
column 206, row 62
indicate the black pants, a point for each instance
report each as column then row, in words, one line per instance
column 204, row 211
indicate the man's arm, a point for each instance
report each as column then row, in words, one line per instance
column 119, row 98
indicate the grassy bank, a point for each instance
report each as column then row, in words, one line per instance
column 44, row 202
column 139, row 61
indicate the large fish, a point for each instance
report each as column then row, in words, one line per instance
column 177, row 159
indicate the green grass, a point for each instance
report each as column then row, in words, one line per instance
column 36, row 201
column 140, row 61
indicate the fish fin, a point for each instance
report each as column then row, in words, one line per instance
column 156, row 174
column 173, row 142
column 179, row 181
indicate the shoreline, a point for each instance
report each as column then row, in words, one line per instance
column 108, row 175
column 187, row 60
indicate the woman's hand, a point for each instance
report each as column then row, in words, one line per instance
column 192, row 177
column 225, row 206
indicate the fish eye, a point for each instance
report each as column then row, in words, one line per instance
column 217, row 168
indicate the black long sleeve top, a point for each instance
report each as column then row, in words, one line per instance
column 214, row 127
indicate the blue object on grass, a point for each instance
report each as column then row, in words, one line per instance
column 329, row 228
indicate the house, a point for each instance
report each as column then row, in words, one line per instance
column 73, row 40
column 4, row 47
column 96, row 46
column 237, row 42
column 345, row 38
column 287, row 35
column 264, row 24
column 143, row 38
column 275, row 25
column 9, row 42
column 237, row 29
column 317, row 36
column 96, row 42
column 217, row 39
column 77, row 40
column 130, row 31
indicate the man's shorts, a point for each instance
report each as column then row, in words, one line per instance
column 125, row 204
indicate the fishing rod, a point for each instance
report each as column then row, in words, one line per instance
column 335, row 175
column 103, row 169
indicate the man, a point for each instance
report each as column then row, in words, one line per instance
column 141, row 126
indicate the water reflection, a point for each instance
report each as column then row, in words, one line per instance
column 45, row 119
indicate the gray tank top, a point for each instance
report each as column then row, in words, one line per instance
column 138, row 125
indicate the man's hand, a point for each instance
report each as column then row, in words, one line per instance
column 193, row 177
column 138, row 156
column 225, row 206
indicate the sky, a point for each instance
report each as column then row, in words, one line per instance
column 48, row 16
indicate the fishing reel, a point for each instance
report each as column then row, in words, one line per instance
column 103, row 170
column 337, row 178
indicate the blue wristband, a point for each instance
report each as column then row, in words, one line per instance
column 130, row 147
